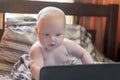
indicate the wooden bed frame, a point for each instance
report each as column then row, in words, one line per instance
column 76, row 9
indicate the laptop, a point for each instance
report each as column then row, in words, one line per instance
column 104, row 71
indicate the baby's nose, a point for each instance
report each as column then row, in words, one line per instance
column 52, row 38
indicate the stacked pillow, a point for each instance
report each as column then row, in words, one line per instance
column 15, row 42
column 20, row 38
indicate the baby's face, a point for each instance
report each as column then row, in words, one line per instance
column 51, row 32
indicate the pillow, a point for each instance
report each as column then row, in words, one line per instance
column 72, row 31
column 13, row 21
column 22, row 34
column 8, row 57
column 29, row 18
column 20, row 21
column 16, row 45
column 20, row 38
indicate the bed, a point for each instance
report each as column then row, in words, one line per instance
column 76, row 9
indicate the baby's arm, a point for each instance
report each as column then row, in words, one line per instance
column 78, row 52
column 36, row 60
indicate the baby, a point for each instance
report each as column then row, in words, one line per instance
column 52, row 48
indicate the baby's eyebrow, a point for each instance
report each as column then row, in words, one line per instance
column 60, row 33
column 45, row 33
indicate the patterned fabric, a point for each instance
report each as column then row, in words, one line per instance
column 21, row 70
column 20, row 38
column 5, row 77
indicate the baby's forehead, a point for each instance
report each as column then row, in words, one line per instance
column 50, row 11
column 49, row 15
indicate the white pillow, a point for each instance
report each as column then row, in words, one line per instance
column 20, row 38
column 23, row 34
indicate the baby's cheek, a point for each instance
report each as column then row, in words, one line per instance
column 59, row 42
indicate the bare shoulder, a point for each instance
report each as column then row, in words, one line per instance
column 68, row 42
column 35, row 50
column 73, row 48
column 35, row 46
column 71, row 44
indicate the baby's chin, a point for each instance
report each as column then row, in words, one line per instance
column 52, row 47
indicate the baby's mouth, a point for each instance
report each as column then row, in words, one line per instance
column 52, row 44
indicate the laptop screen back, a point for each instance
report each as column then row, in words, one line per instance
column 81, row 72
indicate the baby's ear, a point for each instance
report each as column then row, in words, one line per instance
column 36, row 30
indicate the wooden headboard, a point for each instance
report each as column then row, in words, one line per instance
column 76, row 9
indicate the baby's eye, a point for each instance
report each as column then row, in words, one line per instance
column 46, row 34
column 58, row 34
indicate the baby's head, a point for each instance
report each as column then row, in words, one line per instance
column 51, row 27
